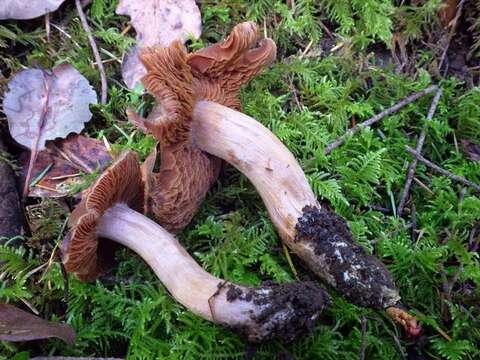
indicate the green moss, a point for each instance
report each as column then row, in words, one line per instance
column 307, row 101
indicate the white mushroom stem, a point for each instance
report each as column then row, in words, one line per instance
column 249, row 310
column 281, row 182
column 188, row 282
column 265, row 161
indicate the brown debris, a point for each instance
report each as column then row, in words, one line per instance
column 11, row 218
column 66, row 160
column 19, row 325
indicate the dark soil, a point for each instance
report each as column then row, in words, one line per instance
column 11, row 217
column 360, row 277
column 288, row 311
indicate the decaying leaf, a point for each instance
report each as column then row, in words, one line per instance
column 10, row 210
column 22, row 10
column 158, row 23
column 447, row 11
column 63, row 162
column 471, row 149
column 44, row 105
column 19, row 325
column 132, row 69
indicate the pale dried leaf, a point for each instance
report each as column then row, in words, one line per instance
column 67, row 161
column 19, row 325
column 132, row 69
column 22, row 10
column 159, row 22
column 44, row 105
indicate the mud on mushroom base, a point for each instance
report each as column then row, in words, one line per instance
column 287, row 310
column 361, row 277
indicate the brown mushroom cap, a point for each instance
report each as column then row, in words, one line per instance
column 221, row 69
column 83, row 253
column 178, row 80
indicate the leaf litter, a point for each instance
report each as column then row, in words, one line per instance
column 157, row 23
column 43, row 105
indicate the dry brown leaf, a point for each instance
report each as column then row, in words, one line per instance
column 19, row 325
column 158, row 23
column 22, row 10
column 44, row 105
column 66, row 160
column 447, row 11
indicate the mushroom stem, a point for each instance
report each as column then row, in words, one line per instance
column 261, row 157
column 317, row 235
column 257, row 313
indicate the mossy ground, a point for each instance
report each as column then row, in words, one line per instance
column 308, row 98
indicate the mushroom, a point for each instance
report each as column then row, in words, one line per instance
column 316, row 234
column 175, row 191
column 109, row 210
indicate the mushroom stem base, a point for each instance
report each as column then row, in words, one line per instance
column 258, row 314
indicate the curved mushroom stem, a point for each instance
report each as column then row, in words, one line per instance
column 317, row 235
column 257, row 313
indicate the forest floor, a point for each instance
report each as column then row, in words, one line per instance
column 339, row 63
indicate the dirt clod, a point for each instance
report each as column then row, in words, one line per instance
column 287, row 311
column 360, row 277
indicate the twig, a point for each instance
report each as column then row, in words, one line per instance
column 438, row 169
column 399, row 347
column 378, row 117
column 421, row 141
column 413, row 216
column 450, row 34
column 93, row 45
column 363, row 343
column 422, row 185
column 306, row 50
column 290, row 263
column 47, row 26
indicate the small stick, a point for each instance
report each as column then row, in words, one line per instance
column 93, row 45
column 290, row 263
column 61, row 177
column 378, row 117
column 438, row 169
column 422, row 185
column 363, row 344
column 421, row 141
column 306, row 50
column 413, row 216
column 126, row 30
column 47, row 26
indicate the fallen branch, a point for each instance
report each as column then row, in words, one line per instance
column 438, row 169
column 421, row 141
column 378, row 117
column 93, row 45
